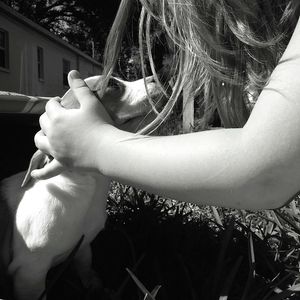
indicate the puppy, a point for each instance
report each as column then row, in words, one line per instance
column 51, row 216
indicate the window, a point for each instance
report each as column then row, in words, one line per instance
column 66, row 70
column 4, row 49
column 40, row 62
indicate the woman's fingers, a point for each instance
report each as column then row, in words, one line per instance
column 50, row 170
column 80, row 89
column 41, row 142
column 53, row 107
column 44, row 123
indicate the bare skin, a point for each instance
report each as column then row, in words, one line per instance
column 254, row 167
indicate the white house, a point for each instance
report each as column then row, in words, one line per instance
column 33, row 61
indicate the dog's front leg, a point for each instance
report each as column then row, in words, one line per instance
column 29, row 277
column 83, row 265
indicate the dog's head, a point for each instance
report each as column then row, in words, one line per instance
column 126, row 102
column 123, row 100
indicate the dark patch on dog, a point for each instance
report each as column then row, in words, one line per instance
column 6, row 229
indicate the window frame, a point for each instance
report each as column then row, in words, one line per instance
column 5, row 49
column 40, row 63
column 65, row 62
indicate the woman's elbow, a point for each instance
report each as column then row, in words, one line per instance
column 270, row 174
column 270, row 193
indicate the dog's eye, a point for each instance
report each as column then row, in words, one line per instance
column 115, row 84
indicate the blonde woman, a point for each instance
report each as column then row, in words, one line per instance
column 227, row 52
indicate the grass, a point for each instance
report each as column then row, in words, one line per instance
column 155, row 248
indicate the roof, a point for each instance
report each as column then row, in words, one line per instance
column 17, row 16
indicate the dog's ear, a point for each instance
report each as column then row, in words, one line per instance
column 38, row 160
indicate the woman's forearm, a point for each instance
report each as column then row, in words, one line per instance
column 204, row 168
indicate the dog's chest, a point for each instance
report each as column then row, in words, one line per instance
column 53, row 214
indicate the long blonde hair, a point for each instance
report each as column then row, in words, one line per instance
column 223, row 50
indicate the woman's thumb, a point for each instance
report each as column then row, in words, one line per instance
column 80, row 89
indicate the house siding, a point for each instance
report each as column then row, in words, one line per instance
column 22, row 75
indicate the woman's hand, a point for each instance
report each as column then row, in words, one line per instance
column 69, row 134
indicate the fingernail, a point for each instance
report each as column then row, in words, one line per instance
column 33, row 174
column 75, row 74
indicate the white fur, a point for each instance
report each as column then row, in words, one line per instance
column 50, row 218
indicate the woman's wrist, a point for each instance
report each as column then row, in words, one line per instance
column 106, row 141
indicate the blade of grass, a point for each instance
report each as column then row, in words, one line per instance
column 267, row 260
column 217, row 215
column 141, row 286
column 230, row 279
column 155, row 291
column 248, row 284
column 295, row 209
column 251, row 274
column 283, row 217
column 221, row 258
column 277, row 284
column 276, row 220
column 283, row 295
column 148, row 296
column 124, row 283
column 251, row 255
